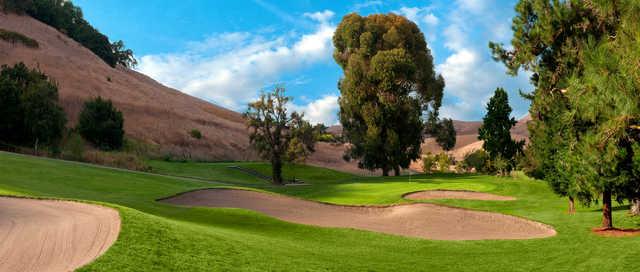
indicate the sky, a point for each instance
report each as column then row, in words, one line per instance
column 228, row 52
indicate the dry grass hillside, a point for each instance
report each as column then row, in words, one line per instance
column 153, row 113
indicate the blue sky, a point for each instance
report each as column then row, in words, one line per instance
column 227, row 51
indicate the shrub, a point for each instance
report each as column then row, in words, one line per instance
column 500, row 166
column 15, row 37
column 101, row 124
column 196, row 134
column 443, row 162
column 116, row 159
column 73, row 147
column 428, row 162
column 476, row 160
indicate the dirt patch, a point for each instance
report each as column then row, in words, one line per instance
column 414, row 220
column 49, row 235
column 616, row 232
column 452, row 194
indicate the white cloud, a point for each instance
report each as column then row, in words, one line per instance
column 323, row 110
column 230, row 68
column 470, row 74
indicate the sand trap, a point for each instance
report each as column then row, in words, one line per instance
column 451, row 194
column 416, row 220
column 49, row 235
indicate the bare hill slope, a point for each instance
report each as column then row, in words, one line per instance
column 153, row 113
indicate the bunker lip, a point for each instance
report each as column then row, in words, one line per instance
column 421, row 220
column 455, row 194
column 53, row 235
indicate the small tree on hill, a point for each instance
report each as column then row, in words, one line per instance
column 102, row 124
column 495, row 130
column 277, row 135
column 446, row 134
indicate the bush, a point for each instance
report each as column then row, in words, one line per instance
column 15, row 37
column 73, row 147
column 101, row 124
column 196, row 134
column 116, row 159
column 428, row 162
column 476, row 160
column 443, row 162
column 500, row 166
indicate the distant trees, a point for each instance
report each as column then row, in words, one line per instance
column 446, row 134
column 495, row 131
column 277, row 135
column 101, row 124
column 29, row 110
column 388, row 83
column 585, row 115
column 68, row 18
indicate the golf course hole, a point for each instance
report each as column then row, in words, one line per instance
column 423, row 220
column 51, row 235
column 455, row 194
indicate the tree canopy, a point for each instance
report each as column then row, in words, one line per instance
column 388, row 84
column 102, row 124
column 583, row 55
column 277, row 135
column 29, row 110
column 495, row 129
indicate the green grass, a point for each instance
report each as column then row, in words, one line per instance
column 15, row 37
column 162, row 237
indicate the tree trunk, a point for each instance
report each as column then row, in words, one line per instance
column 385, row 171
column 607, row 221
column 35, row 148
column 396, row 171
column 635, row 206
column 572, row 205
column 276, row 170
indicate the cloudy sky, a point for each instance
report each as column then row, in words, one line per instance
column 226, row 52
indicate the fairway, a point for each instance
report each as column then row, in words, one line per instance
column 157, row 236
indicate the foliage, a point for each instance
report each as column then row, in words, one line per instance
column 446, row 135
column 443, row 161
column 29, row 111
column 388, row 83
column 15, row 37
column 583, row 108
column 277, row 135
column 428, row 162
column 64, row 16
column 101, row 124
column 495, row 129
column 477, row 160
column 73, row 147
column 196, row 134
column 499, row 166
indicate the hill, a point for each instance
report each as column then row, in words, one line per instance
column 153, row 113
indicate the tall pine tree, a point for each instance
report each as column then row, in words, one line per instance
column 495, row 129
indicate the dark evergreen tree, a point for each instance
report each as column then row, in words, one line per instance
column 446, row 134
column 389, row 82
column 101, row 124
column 496, row 127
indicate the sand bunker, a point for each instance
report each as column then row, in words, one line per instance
column 451, row 194
column 416, row 220
column 49, row 235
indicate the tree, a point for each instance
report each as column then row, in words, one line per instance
column 101, row 124
column 277, row 135
column 495, row 130
column 388, row 83
column 29, row 110
column 123, row 56
column 446, row 134
column 582, row 55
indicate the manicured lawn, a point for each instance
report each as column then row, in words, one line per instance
column 161, row 237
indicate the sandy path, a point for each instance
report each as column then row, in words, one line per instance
column 451, row 194
column 416, row 220
column 49, row 235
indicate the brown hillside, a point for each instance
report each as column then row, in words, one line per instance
column 153, row 113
